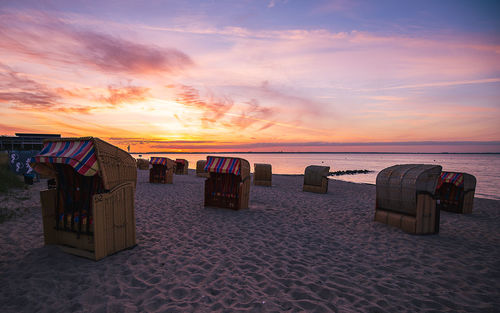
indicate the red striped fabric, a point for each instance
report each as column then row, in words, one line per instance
column 223, row 165
column 78, row 154
column 452, row 178
column 158, row 160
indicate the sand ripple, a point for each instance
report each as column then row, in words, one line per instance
column 289, row 252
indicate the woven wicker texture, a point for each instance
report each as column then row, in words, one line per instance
column 142, row 164
column 181, row 166
column 398, row 186
column 314, row 174
column 262, row 172
column 200, row 168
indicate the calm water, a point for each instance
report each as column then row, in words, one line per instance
column 486, row 167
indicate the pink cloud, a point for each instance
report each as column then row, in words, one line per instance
column 127, row 94
column 22, row 33
column 223, row 111
column 23, row 92
column 214, row 109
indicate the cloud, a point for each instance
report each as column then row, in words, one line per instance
column 50, row 39
column 23, row 92
column 272, row 3
column 301, row 104
column 128, row 94
column 26, row 94
column 146, row 140
column 444, row 84
column 8, row 129
column 333, row 6
column 258, row 145
column 223, row 111
column 112, row 54
column 251, row 113
column 213, row 108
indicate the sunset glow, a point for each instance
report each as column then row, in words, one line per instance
column 255, row 76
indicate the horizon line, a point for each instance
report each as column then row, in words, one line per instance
column 303, row 152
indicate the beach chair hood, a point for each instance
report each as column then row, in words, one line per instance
column 79, row 154
column 223, row 165
column 88, row 156
column 398, row 186
column 314, row 174
column 160, row 161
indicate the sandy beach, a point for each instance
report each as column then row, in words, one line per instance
column 291, row 251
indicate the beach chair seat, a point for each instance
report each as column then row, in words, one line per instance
column 455, row 192
column 316, row 179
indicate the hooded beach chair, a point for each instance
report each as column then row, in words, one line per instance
column 228, row 184
column 405, row 198
column 316, row 179
column 142, row 164
column 455, row 192
column 200, row 168
column 262, row 175
column 162, row 170
column 90, row 213
column 181, row 166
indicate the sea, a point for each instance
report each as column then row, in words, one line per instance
column 485, row 167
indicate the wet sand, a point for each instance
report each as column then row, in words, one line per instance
column 291, row 251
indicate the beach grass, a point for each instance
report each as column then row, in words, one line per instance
column 8, row 179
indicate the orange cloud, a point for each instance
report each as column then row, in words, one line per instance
column 224, row 111
column 128, row 94
column 213, row 109
column 26, row 94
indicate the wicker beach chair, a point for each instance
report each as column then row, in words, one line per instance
column 262, row 175
column 181, row 166
column 90, row 213
column 142, row 164
column 316, row 179
column 405, row 198
column 455, row 192
column 228, row 185
column 200, row 168
column 162, row 170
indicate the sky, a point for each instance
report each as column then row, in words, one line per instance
column 192, row 76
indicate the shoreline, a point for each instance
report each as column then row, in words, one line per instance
column 290, row 251
column 312, row 152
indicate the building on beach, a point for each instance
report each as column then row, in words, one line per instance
column 25, row 141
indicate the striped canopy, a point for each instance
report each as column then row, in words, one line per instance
column 158, row 160
column 456, row 179
column 223, row 165
column 78, row 154
column 182, row 161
